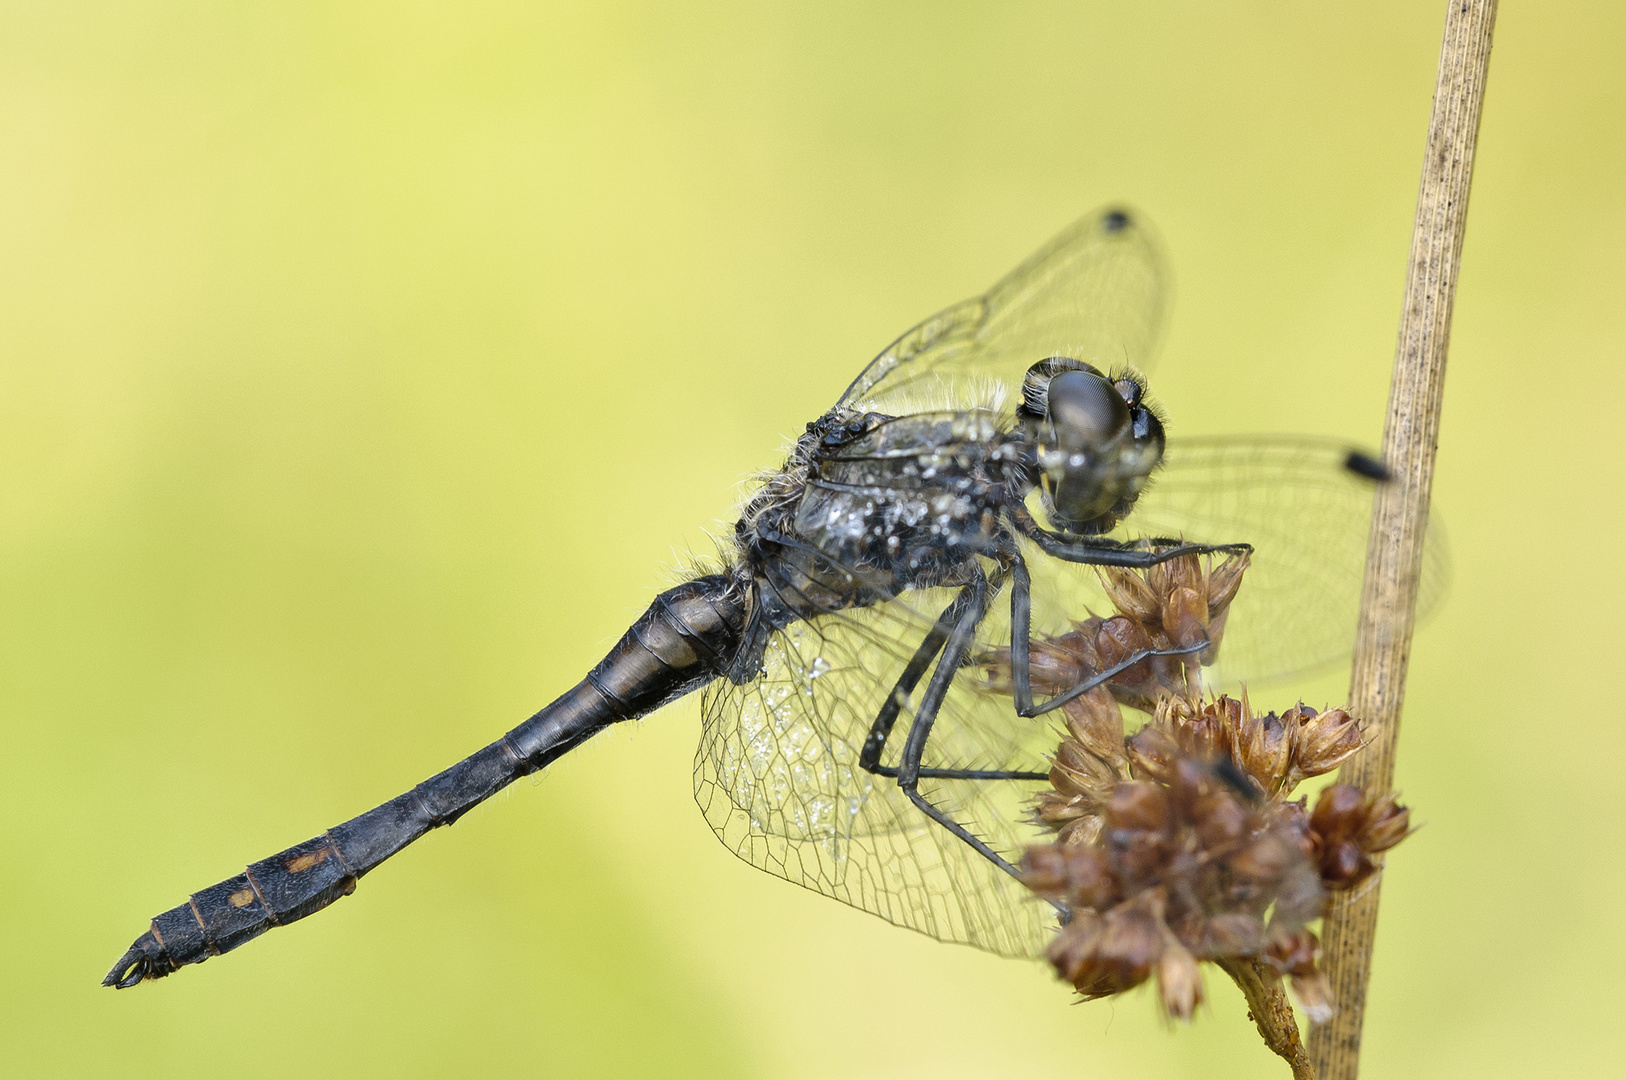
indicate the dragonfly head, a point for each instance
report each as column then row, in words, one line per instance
column 1096, row 442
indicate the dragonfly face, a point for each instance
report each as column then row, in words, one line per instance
column 1096, row 441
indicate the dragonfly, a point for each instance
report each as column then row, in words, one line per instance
column 958, row 498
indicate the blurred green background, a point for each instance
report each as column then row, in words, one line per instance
column 364, row 368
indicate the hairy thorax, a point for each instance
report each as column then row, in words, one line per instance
column 867, row 505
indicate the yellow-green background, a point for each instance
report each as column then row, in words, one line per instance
column 364, row 368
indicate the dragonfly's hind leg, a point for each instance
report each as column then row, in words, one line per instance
column 869, row 758
column 965, row 614
column 952, row 637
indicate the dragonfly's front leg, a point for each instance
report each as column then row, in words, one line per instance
column 1134, row 555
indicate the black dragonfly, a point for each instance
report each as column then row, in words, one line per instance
column 957, row 498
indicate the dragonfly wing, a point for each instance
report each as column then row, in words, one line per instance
column 1308, row 518
column 1097, row 292
column 778, row 777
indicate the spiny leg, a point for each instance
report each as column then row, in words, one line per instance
column 1134, row 554
column 1130, row 557
column 869, row 757
column 1021, row 645
column 910, row 773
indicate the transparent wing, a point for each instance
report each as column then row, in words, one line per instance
column 1097, row 292
column 778, row 777
column 1308, row 519
column 778, row 774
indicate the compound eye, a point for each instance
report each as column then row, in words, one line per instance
column 1086, row 409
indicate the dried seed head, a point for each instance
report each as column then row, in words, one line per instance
column 1166, row 856
column 1086, row 830
column 1299, row 715
column 1133, row 938
column 1314, row 994
column 1130, row 594
column 1044, row 870
column 1152, row 753
column 1076, row 771
column 1339, row 815
column 1055, row 665
column 1387, row 823
column 1349, row 831
column 1074, row 950
column 1181, row 602
column 1185, row 868
column 1264, row 748
column 1157, row 578
column 1232, row 933
column 1137, row 805
column 1059, row 813
column 1216, row 633
column 1224, row 581
column 1290, row 952
column 1207, row 734
column 1110, row 953
column 1080, row 876
column 1229, row 711
column 1185, row 618
column 1294, row 954
column 1264, row 860
column 1340, row 812
column 1119, row 638
column 1324, row 741
column 1179, row 983
column 1293, row 821
column 1221, row 820
column 1186, row 572
column 1096, row 723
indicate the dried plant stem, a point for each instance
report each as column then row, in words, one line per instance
column 1271, row 1014
column 1394, row 557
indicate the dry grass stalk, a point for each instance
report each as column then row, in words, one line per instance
column 1394, row 559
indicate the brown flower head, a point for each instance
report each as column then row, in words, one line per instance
column 1349, row 830
column 1180, row 844
column 1264, row 747
column 1187, row 867
column 1323, row 741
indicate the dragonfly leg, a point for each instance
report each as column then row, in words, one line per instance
column 1135, row 554
column 1021, row 643
column 1133, row 557
column 927, row 773
column 869, row 758
column 966, row 613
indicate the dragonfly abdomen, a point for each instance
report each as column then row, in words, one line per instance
column 686, row 638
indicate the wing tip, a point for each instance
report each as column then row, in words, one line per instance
column 1365, row 465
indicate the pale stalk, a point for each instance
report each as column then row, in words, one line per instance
column 1400, row 515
